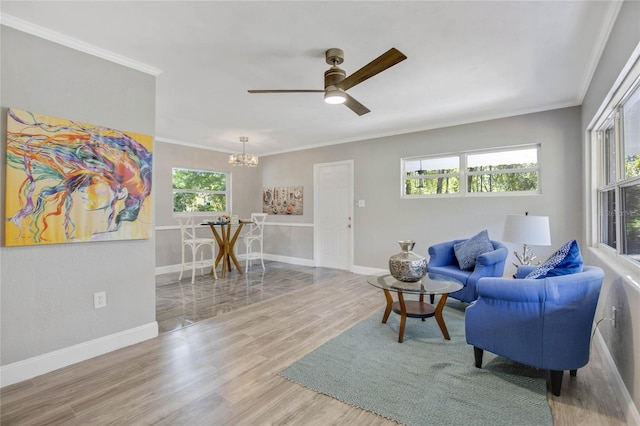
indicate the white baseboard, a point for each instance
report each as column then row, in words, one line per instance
column 176, row 268
column 276, row 258
column 41, row 364
column 292, row 260
column 365, row 270
column 627, row 404
column 167, row 269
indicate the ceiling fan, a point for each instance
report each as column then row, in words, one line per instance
column 336, row 82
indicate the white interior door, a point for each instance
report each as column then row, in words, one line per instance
column 333, row 213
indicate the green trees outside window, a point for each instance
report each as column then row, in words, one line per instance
column 495, row 171
column 631, row 221
column 619, row 175
column 424, row 185
column 199, row 191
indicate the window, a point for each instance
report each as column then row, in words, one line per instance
column 503, row 171
column 608, row 217
column 631, row 134
column 479, row 172
column 437, row 175
column 630, row 196
column 607, row 204
column 619, row 176
column 200, row 191
column 609, row 153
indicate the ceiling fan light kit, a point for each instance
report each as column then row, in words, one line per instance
column 243, row 160
column 335, row 96
column 336, row 82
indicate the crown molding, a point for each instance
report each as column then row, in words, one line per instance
column 598, row 48
column 47, row 34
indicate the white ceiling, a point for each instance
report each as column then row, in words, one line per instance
column 467, row 61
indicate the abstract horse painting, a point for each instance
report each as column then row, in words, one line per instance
column 68, row 182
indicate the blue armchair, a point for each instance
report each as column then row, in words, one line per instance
column 544, row 323
column 442, row 260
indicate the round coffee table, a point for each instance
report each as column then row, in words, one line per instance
column 430, row 284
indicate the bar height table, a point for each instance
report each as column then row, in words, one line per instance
column 226, row 242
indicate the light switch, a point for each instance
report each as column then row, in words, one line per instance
column 360, row 203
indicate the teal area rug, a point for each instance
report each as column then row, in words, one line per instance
column 426, row 380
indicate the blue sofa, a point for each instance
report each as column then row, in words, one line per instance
column 544, row 323
column 442, row 260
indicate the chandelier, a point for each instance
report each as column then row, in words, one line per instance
column 243, row 159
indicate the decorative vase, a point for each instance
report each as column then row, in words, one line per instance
column 406, row 265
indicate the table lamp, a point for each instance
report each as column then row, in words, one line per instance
column 527, row 230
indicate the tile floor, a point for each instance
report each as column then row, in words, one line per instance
column 180, row 304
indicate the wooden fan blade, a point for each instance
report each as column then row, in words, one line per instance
column 355, row 106
column 381, row 63
column 285, row 91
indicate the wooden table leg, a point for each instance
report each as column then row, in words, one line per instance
column 226, row 264
column 220, row 248
column 226, row 245
column 403, row 316
column 232, row 253
column 387, row 311
column 219, row 257
column 438, row 315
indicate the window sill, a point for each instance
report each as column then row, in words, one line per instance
column 619, row 264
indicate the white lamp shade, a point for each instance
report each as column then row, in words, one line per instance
column 525, row 229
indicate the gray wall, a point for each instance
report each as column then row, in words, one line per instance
column 387, row 218
column 47, row 291
column 617, row 290
column 245, row 195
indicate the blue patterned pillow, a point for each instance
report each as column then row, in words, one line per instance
column 468, row 251
column 566, row 260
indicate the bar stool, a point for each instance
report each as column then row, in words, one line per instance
column 254, row 235
column 195, row 243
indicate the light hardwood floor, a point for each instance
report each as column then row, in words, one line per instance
column 222, row 369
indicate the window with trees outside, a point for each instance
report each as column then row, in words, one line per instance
column 200, row 191
column 488, row 172
column 619, row 176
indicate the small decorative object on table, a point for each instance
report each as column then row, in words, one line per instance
column 406, row 265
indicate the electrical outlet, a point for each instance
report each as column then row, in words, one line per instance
column 99, row 300
column 614, row 314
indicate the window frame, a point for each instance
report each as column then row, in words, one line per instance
column 611, row 112
column 464, row 173
column 404, row 178
column 633, row 182
column 226, row 193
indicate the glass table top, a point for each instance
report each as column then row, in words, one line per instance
column 429, row 284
